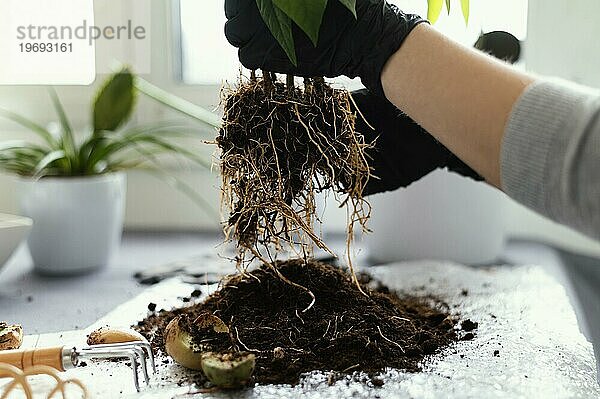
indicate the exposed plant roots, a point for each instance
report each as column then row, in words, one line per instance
column 281, row 144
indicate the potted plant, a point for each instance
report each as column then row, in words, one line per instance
column 74, row 186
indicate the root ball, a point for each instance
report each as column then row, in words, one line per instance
column 280, row 145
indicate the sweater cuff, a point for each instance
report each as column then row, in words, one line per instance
column 533, row 139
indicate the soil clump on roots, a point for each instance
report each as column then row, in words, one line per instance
column 280, row 145
column 343, row 332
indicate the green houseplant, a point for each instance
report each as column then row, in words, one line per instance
column 107, row 147
column 73, row 186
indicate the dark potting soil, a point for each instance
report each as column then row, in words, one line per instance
column 345, row 330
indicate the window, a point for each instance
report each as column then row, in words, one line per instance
column 206, row 56
column 485, row 16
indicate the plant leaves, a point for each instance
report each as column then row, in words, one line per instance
column 174, row 149
column 350, row 5
column 307, row 14
column 19, row 157
column 448, row 6
column 115, row 101
column 47, row 161
column 434, row 8
column 177, row 103
column 12, row 144
column 68, row 142
column 280, row 26
column 464, row 4
column 142, row 138
column 62, row 116
column 28, row 124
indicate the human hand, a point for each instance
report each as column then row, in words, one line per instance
column 354, row 47
column 404, row 152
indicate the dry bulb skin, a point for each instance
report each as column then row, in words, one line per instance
column 11, row 336
column 109, row 335
column 280, row 145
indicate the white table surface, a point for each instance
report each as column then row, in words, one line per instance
column 47, row 305
column 522, row 311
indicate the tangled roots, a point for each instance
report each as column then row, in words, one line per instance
column 280, row 145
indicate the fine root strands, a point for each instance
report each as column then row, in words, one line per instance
column 280, row 145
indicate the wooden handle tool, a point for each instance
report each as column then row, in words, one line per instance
column 62, row 358
column 59, row 357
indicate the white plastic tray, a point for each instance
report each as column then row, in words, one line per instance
column 522, row 312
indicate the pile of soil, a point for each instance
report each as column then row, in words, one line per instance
column 345, row 330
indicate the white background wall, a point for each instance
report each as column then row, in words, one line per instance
column 562, row 40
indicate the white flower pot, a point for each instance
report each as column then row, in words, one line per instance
column 443, row 216
column 78, row 221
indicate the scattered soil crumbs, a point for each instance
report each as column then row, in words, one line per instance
column 345, row 331
column 468, row 325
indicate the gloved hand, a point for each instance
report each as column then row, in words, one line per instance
column 346, row 46
column 404, row 152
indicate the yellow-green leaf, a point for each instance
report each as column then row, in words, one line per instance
column 280, row 26
column 434, row 8
column 350, row 5
column 464, row 4
column 448, row 6
column 307, row 14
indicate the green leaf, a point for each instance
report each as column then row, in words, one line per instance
column 307, row 14
column 115, row 101
column 350, row 5
column 448, row 6
column 434, row 9
column 103, row 152
column 68, row 142
column 47, row 161
column 20, row 157
column 12, row 144
column 464, row 4
column 166, row 148
column 135, row 139
column 180, row 151
column 60, row 111
column 280, row 26
column 28, row 124
column 177, row 103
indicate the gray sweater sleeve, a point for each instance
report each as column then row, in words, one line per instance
column 550, row 158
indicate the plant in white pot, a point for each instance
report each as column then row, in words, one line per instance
column 74, row 187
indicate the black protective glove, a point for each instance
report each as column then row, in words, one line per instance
column 346, row 46
column 404, row 152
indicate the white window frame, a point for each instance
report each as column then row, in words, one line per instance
column 33, row 102
column 151, row 204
